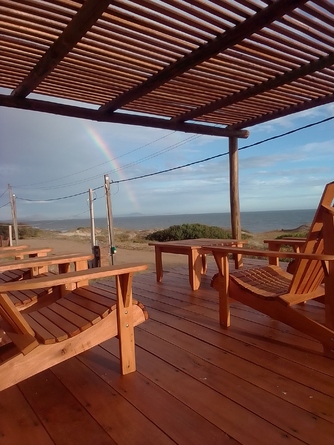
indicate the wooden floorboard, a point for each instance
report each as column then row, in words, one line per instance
column 258, row 382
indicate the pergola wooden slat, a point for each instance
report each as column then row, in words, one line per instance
column 211, row 67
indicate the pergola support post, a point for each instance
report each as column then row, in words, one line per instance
column 234, row 188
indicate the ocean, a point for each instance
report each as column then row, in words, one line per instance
column 255, row 222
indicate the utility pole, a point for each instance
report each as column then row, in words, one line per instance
column 112, row 248
column 12, row 199
column 95, row 249
column 92, row 222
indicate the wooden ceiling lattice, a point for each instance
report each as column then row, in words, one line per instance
column 203, row 66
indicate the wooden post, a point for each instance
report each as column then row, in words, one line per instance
column 10, row 235
column 234, row 188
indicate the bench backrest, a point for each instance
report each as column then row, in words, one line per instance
column 309, row 274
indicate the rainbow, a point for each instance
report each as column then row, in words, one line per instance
column 103, row 146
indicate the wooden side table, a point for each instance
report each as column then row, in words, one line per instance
column 196, row 253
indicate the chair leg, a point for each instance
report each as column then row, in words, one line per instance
column 288, row 315
column 125, row 323
column 224, row 309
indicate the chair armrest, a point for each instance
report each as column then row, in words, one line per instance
column 288, row 241
column 328, row 209
column 224, row 251
column 21, row 253
column 297, row 245
column 73, row 277
column 44, row 261
column 14, row 248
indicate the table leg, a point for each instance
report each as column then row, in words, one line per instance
column 204, row 264
column 195, row 268
column 158, row 264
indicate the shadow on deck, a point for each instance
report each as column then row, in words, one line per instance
column 259, row 382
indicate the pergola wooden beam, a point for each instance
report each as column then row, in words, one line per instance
column 225, row 40
column 284, row 112
column 284, row 79
column 85, row 18
column 118, row 118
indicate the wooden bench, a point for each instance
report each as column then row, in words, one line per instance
column 19, row 254
column 13, row 248
column 80, row 320
column 37, row 266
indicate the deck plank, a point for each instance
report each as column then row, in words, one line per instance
column 258, row 382
column 242, row 382
column 184, row 426
column 268, row 334
column 229, row 416
column 19, row 424
column 63, row 417
column 123, row 422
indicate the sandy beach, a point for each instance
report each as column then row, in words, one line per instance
column 128, row 248
column 71, row 243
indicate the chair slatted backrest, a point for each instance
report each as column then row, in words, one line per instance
column 309, row 274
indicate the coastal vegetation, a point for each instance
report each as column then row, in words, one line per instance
column 189, row 231
column 24, row 231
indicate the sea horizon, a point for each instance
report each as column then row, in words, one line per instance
column 256, row 221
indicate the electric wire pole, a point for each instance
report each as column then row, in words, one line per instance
column 12, row 199
column 112, row 248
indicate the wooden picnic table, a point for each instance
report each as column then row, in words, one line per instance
column 196, row 253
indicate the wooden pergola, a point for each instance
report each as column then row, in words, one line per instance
column 213, row 67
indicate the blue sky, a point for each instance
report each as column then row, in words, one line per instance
column 44, row 157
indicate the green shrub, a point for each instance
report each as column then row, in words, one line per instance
column 293, row 235
column 28, row 232
column 189, row 231
column 23, row 231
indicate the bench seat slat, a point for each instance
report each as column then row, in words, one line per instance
column 68, row 327
column 19, row 298
column 45, row 324
column 104, row 289
column 84, row 312
column 72, row 317
column 42, row 334
column 91, row 293
column 93, row 306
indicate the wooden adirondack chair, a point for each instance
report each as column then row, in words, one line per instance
column 73, row 323
column 271, row 290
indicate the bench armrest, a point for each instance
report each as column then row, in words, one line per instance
column 289, row 241
column 45, row 261
column 73, row 277
column 224, row 251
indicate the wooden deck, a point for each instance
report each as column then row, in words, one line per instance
column 259, row 382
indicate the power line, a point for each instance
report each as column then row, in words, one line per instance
column 226, row 153
column 4, row 193
column 190, row 163
column 52, row 199
column 95, row 166
column 4, row 205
